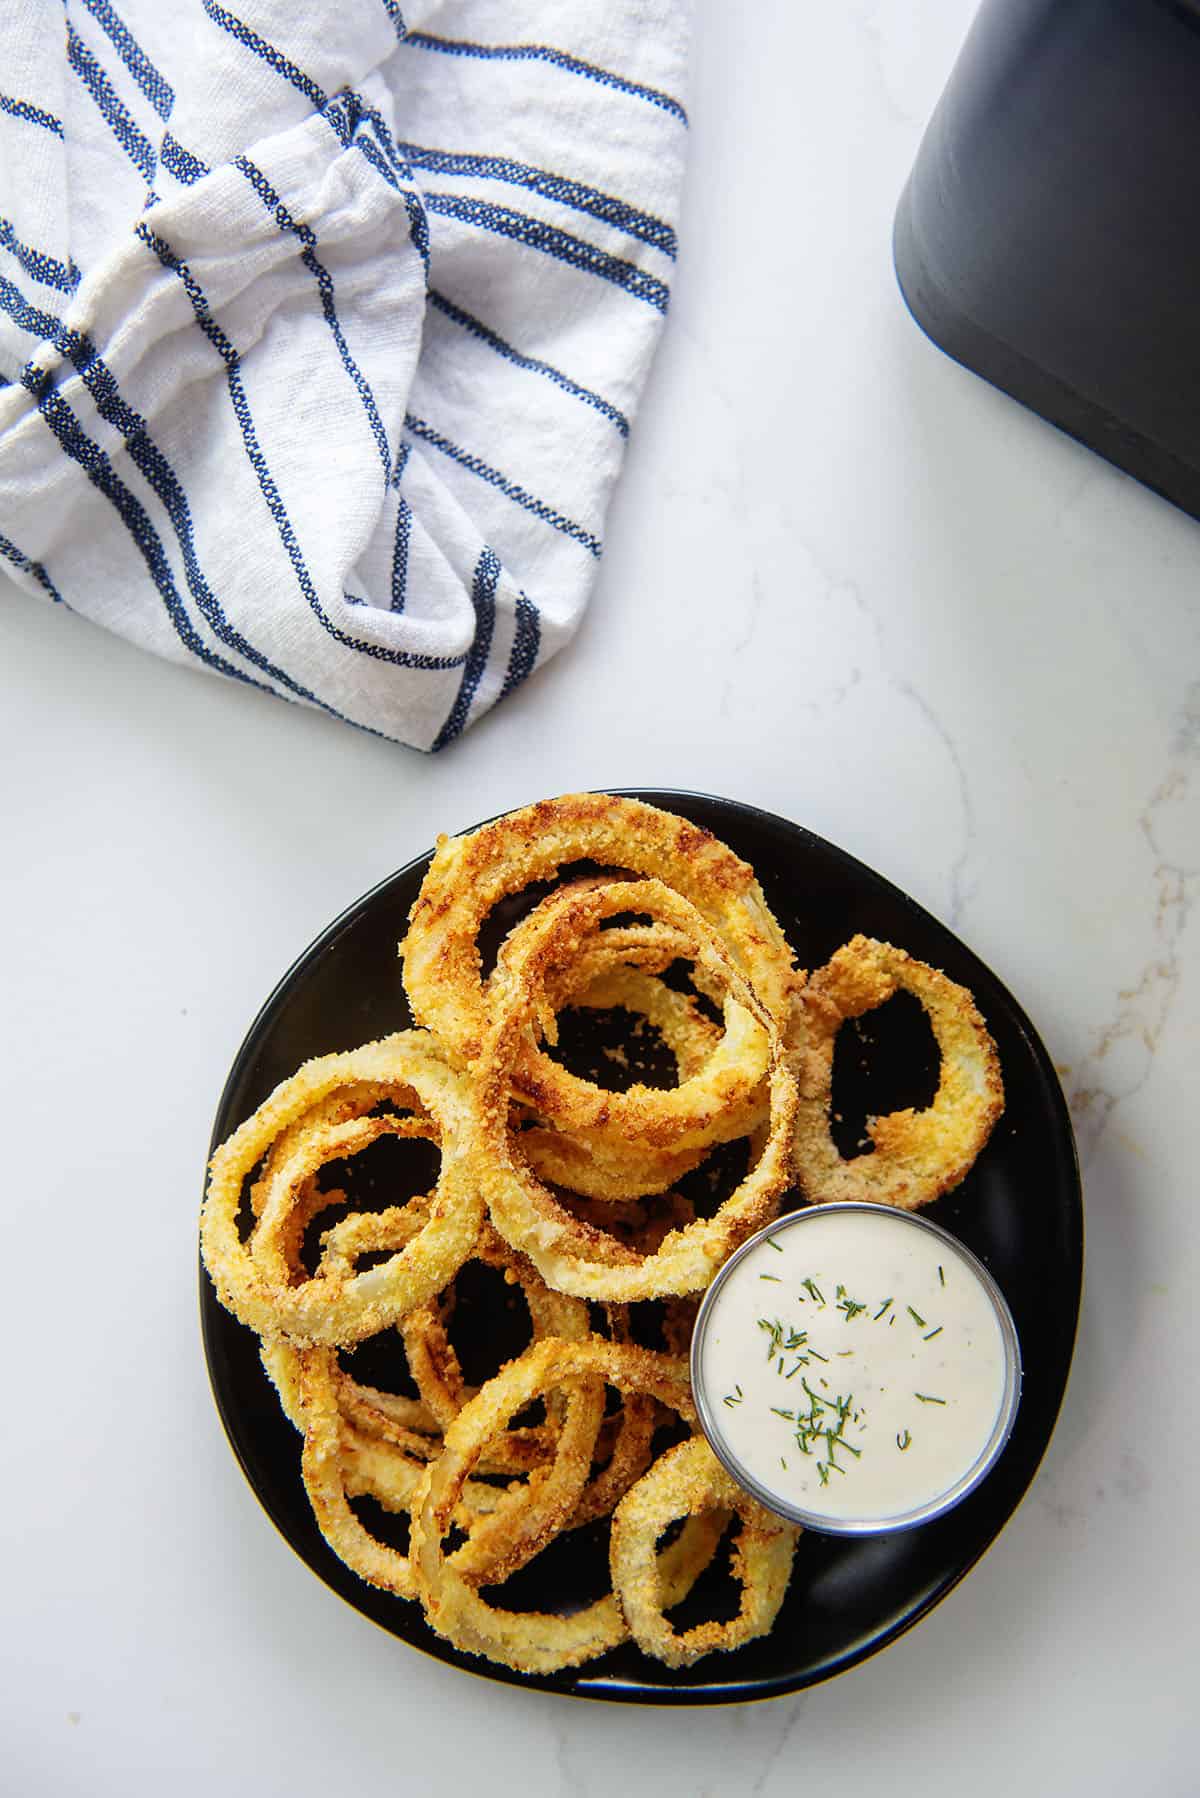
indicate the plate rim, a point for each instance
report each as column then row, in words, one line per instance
column 614, row 1689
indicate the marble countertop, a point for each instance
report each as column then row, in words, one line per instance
column 847, row 582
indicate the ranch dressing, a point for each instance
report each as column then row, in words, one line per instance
column 853, row 1363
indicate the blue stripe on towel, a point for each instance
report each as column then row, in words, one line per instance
column 485, row 334
column 134, row 142
column 394, row 14
column 28, row 566
column 33, row 115
column 180, row 162
column 483, row 599
column 96, row 465
column 526, row 642
column 270, row 492
column 48, row 270
column 156, row 87
column 283, row 65
column 160, row 476
column 564, row 192
column 324, row 281
column 519, row 496
column 425, row 40
column 400, row 553
column 519, row 227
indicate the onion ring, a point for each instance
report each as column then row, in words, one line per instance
column 530, row 1642
column 685, row 1480
column 512, row 1528
column 341, row 1308
column 709, row 1105
column 469, row 875
column 918, row 1154
column 566, row 1252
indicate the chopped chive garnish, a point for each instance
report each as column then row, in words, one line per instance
column 802, row 1362
column 771, row 1243
column 813, row 1291
column 927, row 1398
column 823, row 1471
column 933, row 1333
column 783, row 1463
column 916, row 1317
column 790, row 1415
column 818, row 1355
column 903, row 1441
column 774, row 1277
column 739, row 1391
column 881, row 1310
column 941, row 1276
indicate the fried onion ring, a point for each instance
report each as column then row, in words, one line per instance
column 918, row 1155
column 716, row 1102
column 339, row 1307
column 469, row 875
column 569, row 1255
column 535, row 1642
column 688, row 1479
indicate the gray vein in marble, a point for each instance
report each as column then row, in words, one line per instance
column 869, row 23
column 750, row 620
column 1122, row 1058
column 961, row 891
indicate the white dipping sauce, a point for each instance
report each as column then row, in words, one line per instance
column 853, row 1364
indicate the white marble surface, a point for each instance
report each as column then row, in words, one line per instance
column 848, row 582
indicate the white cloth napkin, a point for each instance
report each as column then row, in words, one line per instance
column 322, row 326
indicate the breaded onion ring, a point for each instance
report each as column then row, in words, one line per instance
column 469, row 875
column 341, row 1307
column 918, row 1154
column 688, row 1479
column 504, row 1532
column 535, row 1642
column 569, row 1255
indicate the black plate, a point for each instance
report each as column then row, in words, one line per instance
column 1019, row 1209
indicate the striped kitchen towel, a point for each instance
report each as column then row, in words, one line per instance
column 322, row 326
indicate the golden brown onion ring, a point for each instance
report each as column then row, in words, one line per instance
column 716, row 1102
column 569, row 1255
column 918, row 1154
column 506, row 1527
column 339, row 1307
column 531, row 1642
column 469, row 875
column 686, row 1480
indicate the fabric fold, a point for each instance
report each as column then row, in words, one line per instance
column 323, row 329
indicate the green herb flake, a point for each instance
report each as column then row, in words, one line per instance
column 934, row 1333
column 941, row 1276
column 881, row 1310
column 774, row 1277
column 903, row 1441
column 916, row 1317
column 772, row 1244
column 927, row 1398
